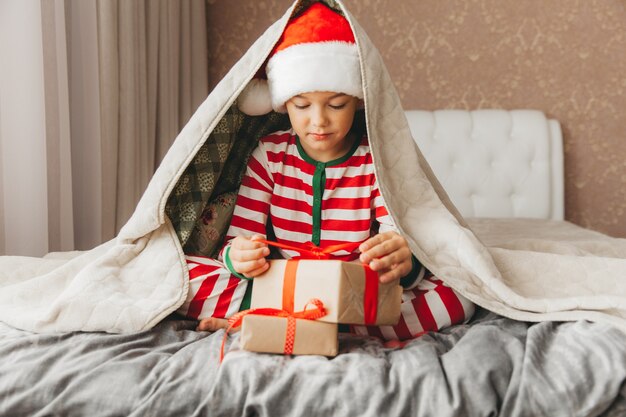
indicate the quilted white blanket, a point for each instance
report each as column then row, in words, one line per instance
column 134, row 281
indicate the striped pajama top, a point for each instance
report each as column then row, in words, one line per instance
column 304, row 200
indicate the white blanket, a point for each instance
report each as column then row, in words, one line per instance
column 134, row 281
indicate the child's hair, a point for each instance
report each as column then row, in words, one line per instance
column 317, row 52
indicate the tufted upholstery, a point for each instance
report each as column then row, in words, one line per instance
column 494, row 163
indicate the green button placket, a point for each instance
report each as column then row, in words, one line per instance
column 319, row 182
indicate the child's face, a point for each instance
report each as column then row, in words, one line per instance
column 322, row 120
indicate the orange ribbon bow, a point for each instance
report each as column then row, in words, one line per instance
column 290, row 336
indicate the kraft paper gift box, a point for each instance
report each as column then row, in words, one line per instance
column 351, row 295
column 267, row 334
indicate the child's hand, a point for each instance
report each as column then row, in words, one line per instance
column 387, row 253
column 248, row 256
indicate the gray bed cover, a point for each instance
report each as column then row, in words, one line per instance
column 492, row 366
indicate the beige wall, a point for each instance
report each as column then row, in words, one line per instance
column 565, row 57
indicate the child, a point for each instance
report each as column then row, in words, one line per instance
column 315, row 183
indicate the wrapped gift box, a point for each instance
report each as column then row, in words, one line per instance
column 341, row 286
column 268, row 334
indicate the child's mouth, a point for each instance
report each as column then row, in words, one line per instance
column 319, row 135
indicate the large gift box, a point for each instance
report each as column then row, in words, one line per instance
column 351, row 292
column 267, row 334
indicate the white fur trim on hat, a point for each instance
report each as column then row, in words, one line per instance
column 255, row 99
column 307, row 67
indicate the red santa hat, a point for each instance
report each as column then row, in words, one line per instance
column 317, row 52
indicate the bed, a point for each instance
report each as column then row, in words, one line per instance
column 494, row 164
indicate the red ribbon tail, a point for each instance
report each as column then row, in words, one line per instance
column 234, row 321
column 370, row 296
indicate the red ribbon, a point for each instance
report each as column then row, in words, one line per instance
column 290, row 336
column 370, row 296
column 311, row 251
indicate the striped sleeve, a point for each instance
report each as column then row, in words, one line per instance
column 253, row 200
column 380, row 211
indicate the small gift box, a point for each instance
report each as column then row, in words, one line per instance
column 267, row 334
column 351, row 292
column 272, row 330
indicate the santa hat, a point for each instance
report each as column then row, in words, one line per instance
column 317, row 52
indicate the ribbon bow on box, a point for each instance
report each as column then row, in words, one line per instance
column 290, row 336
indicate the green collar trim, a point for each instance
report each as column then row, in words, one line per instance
column 337, row 161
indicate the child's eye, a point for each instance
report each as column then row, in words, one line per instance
column 337, row 106
column 301, row 106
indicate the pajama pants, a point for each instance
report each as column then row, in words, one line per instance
column 431, row 306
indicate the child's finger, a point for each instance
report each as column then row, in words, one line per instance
column 249, row 254
column 257, row 237
column 389, row 277
column 254, row 242
column 249, row 266
column 379, row 246
column 258, row 271
column 389, row 270
column 394, row 258
column 392, row 274
column 371, row 242
column 246, row 243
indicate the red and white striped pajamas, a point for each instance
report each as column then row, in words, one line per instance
column 430, row 306
column 213, row 290
column 325, row 203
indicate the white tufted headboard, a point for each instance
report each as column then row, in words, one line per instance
column 494, row 163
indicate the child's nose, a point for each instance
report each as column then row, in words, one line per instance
column 319, row 118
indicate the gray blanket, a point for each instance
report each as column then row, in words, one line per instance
column 492, row 366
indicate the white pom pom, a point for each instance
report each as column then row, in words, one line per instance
column 255, row 99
